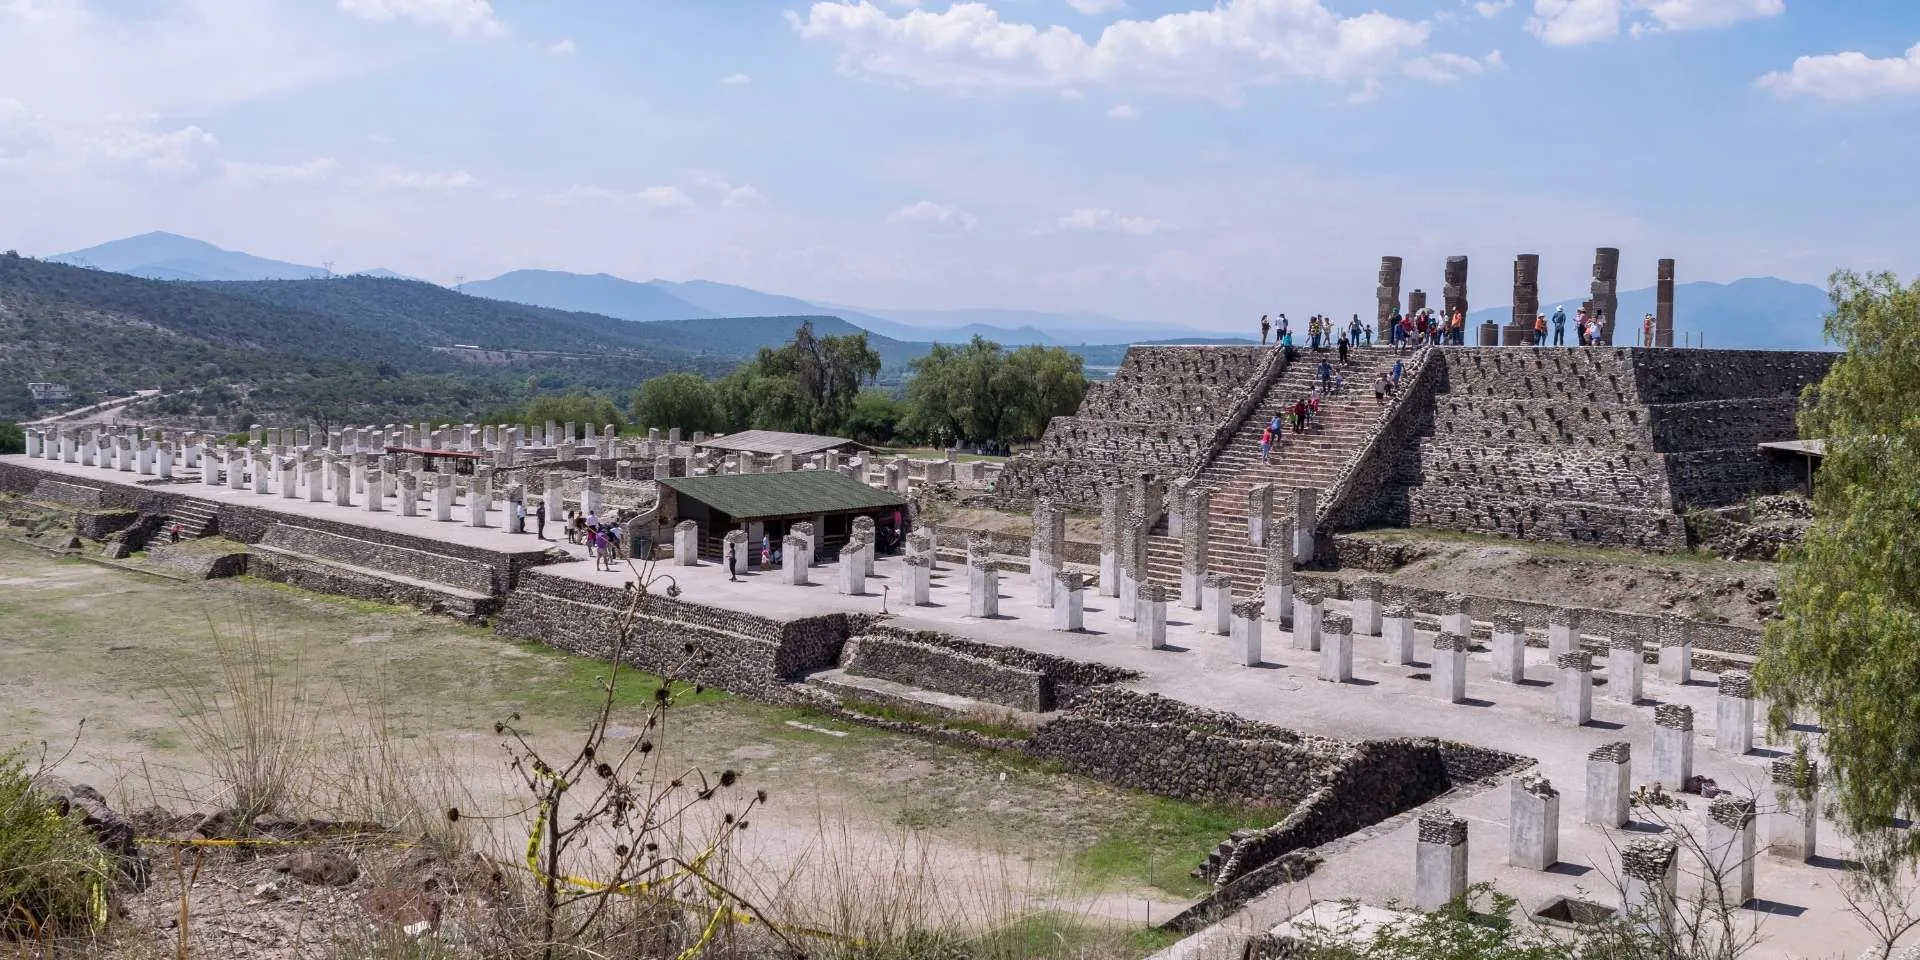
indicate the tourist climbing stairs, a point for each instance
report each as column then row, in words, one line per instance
column 1315, row 458
column 196, row 520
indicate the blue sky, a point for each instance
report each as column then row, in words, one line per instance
column 1154, row 159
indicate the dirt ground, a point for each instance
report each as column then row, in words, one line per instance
column 1696, row 585
column 101, row 665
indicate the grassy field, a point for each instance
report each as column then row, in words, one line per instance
column 99, row 657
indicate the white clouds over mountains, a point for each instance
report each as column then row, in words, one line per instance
column 1217, row 51
column 460, row 16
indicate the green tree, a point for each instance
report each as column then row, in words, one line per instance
column 683, row 400
column 1844, row 647
column 978, row 392
column 573, row 408
column 12, row 438
column 875, row 417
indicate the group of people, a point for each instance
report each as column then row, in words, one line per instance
column 1587, row 328
column 1299, row 415
column 1424, row 327
column 602, row 540
column 1323, row 333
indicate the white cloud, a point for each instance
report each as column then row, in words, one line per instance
column 1124, row 111
column 317, row 170
column 732, row 195
column 1448, row 67
column 1095, row 7
column 1574, row 22
column 1102, row 220
column 460, row 16
column 664, row 198
column 562, row 48
column 1492, row 8
column 736, row 79
column 1218, row 51
column 1706, row 14
column 176, row 153
column 937, row 216
column 424, row 181
column 1847, row 76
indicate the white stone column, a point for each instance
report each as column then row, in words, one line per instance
column 1069, row 601
column 409, row 494
column 36, row 442
column 686, row 544
column 736, row 553
column 1043, row 547
column 1573, row 694
column 1440, row 860
column 1793, row 825
column 1306, row 520
column 1456, row 614
column 375, row 503
column 1626, row 668
column 288, row 467
column 1647, row 880
column 1449, row 670
column 1533, row 822
column 1672, row 745
column 853, row 569
column 983, row 588
column 1676, row 649
column 516, row 508
column 1113, row 514
column 163, row 460
column 237, row 469
column 1563, row 631
column 1133, row 569
column 443, row 497
column 805, row 531
column 916, row 576
column 316, row 479
column 1193, row 549
column 1366, row 606
column 1308, row 608
column 1397, row 634
column 1150, row 615
column 342, row 484
column 479, row 498
column 591, row 499
column 1730, row 847
column 1609, row 784
column 1277, row 587
column 1336, row 648
column 1509, row 648
column 262, row 473
column 1244, row 628
column 143, row 457
column 1733, row 714
column 1216, row 604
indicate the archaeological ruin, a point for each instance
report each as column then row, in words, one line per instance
column 1213, row 641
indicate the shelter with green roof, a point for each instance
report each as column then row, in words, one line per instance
column 768, row 504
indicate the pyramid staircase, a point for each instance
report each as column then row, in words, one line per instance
column 1315, row 458
column 196, row 520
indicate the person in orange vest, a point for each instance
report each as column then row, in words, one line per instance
column 1540, row 330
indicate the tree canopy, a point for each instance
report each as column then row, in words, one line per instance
column 683, row 400
column 980, row 391
column 1847, row 646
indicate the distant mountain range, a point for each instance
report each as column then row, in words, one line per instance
column 1761, row 312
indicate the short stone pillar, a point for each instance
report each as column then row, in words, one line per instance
column 1573, row 695
column 1396, row 634
column 479, row 498
column 1440, row 860
column 804, row 530
column 1610, row 784
column 1244, row 630
column 237, row 469
column 1733, row 714
column 143, row 457
column 516, row 508
column 357, row 461
column 288, row 469
column 35, row 443
column 1336, row 648
column 1533, row 822
column 1113, row 515
column 1133, row 561
column 163, row 460
column 375, row 502
column 1307, row 610
column 983, row 588
column 1672, row 745
column 1509, row 648
column 1563, row 631
column 686, row 544
column 1676, row 649
column 1176, row 508
column 663, row 468
column 1306, row 520
column 1366, row 606
column 1193, row 549
column 1456, row 614
column 1793, row 825
column 916, row 579
column 1730, row 846
column 1277, row 583
column 1648, row 868
column 1450, row 667
column 554, row 496
column 863, row 531
column 1069, row 601
column 1044, row 547
column 1626, row 667
column 409, row 494
column 1149, row 615
column 1259, row 513
column 793, row 560
column 590, row 496
column 734, row 553
column 1216, row 604
column 343, row 484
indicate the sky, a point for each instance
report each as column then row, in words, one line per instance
column 1168, row 160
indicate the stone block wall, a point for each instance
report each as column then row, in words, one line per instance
column 1068, row 679
column 403, row 561
column 945, row 670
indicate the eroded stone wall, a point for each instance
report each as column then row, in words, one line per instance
column 937, row 668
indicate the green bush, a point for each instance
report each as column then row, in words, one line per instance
column 53, row 879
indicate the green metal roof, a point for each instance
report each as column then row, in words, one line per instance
column 748, row 496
